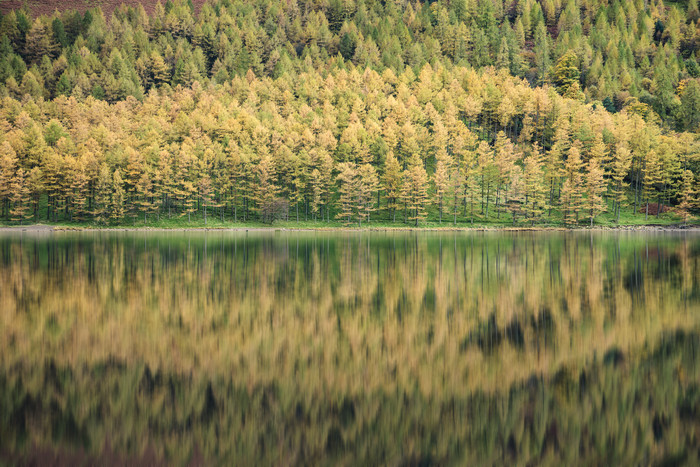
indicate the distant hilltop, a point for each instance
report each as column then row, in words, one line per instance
column 48, row 7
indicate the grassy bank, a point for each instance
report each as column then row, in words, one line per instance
column 627, row 220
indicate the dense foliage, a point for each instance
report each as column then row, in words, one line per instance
column 470, row 109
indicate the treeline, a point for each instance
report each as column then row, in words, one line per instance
column 638, row 54
column 350, row 145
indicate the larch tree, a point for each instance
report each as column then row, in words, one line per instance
column 572, row 190
column 441, row 179
column 20, row 197
column 366, row 187
column 8, row 163
column 346, row 179
column 391, row 183
column 103, row 194
column 116, row 211
column 534, row 185
column 487, row 173
column 266, row 189
column 470, row 179
column 79, row 190
column 316, row 193
column 144, row 195
column 516, row 192
column 504, row 160
column 595, row 188
column 415, row 191
column 206, row 194
column 622, row 160
column 687, row 195
column 651, row 177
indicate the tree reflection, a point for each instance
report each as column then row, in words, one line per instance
column 352, row 347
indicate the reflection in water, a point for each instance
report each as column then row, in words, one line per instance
column 351, row 348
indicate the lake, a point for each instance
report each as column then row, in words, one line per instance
column 350, row 348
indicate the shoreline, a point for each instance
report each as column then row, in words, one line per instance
column 42, row 228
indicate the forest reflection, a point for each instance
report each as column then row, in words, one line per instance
column 352, row 348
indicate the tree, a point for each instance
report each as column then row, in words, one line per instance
column 415, row 191
column 504, row 160
column 689, row 110
column 542, row 60
column 316, row 193
column 469, row 174
column 687, row 195
column 20, row 197
column 117, row 202
column 299, row 180
column 595, row 187
column 39, row 42
column 103, row 195
column 565, row 76
column 572, row 190
column 652, row 177
column 534, row 185
column 347, row 173
column 78, row 190
column 366, row 187
column 487, row 173
column 266, row 190
column 144, row 195
column 205, row 194
column 8, row 162
column 391, row 182
column 441, row 178
column 503, row 57
column 622, row 160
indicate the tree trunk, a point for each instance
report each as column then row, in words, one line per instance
column 646, row 214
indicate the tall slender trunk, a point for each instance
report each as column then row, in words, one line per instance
column 646, row 214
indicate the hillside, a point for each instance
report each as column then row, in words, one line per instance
column 464, row 111
column 49, row 7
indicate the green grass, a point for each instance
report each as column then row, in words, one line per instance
column 627, row 218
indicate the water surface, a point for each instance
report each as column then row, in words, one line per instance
column 259, row 348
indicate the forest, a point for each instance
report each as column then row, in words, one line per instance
column 576, row 112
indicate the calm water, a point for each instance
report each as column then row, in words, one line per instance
column 285, row 348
